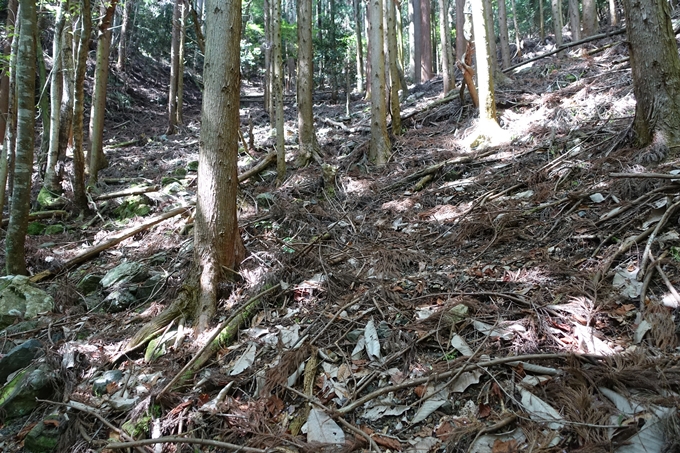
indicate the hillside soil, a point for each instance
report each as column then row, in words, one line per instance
column 470, row 296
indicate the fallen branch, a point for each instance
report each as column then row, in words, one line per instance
column 620, row 31
column 126, row 193
column 96, row 250
column 264, row 163
column 40, row 215
column 184, row 440
column 645, row 175
column 352, row 130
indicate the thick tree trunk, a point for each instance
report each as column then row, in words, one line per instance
column 379, row 145
column 574, row 20
column 503, row 27
column 589, row 18
column 415, row 41
column 447, row 52
column 655, row 68
column 426, row 41
column 518, row 41
column 96, row 158
column 277, row 73
column 309, row 146
column 391, row 37
column 461, row 40
column 216, row 234
column 268, row 101
column 485, row 87
column 124, row 31
column 8, row 150
column 21, row 196
column 174, row 70
column 80, row 198
column 490, row 35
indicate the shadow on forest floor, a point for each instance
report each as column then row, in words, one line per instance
column 493, row 307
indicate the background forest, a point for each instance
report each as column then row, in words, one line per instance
column 292, row 226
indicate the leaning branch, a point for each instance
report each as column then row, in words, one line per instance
column 96, row 250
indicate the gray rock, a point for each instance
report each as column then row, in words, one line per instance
column 109, row 377
column 119, row 300
column 20, row 300
column 19, row 357
column 44, row 436
column 123, row 273
column 18, row 396
column 147, row 288
column 89, row 284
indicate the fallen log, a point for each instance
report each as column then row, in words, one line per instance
column 264, row 163
column 126, row 192
column 40, row 215
column 96, row 250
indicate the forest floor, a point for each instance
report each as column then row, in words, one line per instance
column 520, row 299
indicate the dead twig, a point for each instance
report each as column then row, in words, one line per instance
column 652, row 237
column 184, row 440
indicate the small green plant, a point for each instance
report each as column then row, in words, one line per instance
column 675, row 253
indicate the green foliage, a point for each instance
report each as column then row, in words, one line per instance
column 36, row 228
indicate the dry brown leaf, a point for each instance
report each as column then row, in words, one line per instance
column 484, row 410
column 388, row 442
column 420, row 390
column 509, row 446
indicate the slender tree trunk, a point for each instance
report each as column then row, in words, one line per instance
column 589, row 18
column 180, row 71
column 15, row 254
column 391, row 36
column 43, row 106
column 485, row 89
column 541, row 21
column 655, row 68
column 447, row 53
column 613, row 14
column 68, row 74
column 268, row 102
column 574, row 20
column 5, row 99
column 9, row 150
column 426, row 41
column 490, row 36
column 503, row 26
column 309, row 146
column 518, row 41
column 360, row 52
column 415, row 41
column 96, row 158
column 124, row 32
column 174, row 70
column 277, row 71
column 51, row 182
column 216, row 236
column 557, row 21
column 461, row 40
column 79, row 195
column 379, row 145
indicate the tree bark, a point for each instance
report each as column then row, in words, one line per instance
column 503, row 27
column 613, row 14
column 21, row 195
column 447, row 51
column 124, row 32
column 589, row 18
column 309, row 146
column 557, row 21
column 461, row 40
column 379, row 145
column 426, row 41
column 574, row 20
column 216, row 234
column 391, row 37
column 79, row 195
column 485, row 88
column 96, row 158
column 5, row 88
column 490, row 36
column 277, row 73
column 360, row 52
column 174, row 70
column 414, row 40
column 655, row 68
column 180, row 72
